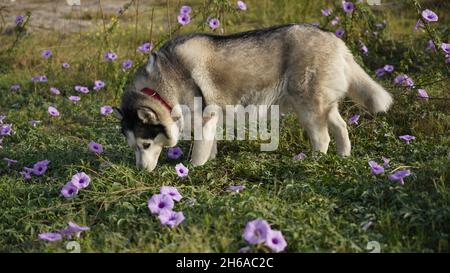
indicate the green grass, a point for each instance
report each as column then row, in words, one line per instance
column 320, row 203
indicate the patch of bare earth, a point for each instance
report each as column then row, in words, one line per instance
column 57, row 15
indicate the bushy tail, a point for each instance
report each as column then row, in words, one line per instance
column 364, row 90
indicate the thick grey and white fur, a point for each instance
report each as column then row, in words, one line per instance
column 298, row 67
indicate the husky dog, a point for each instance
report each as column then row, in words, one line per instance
column 299, row 67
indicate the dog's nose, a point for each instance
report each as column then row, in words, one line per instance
column 148, row 166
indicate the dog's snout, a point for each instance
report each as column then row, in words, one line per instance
column 139, row 165
column 139, row 162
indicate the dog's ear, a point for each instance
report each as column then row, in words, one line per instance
column 147, row 116
column 118, row 114
column 151, row 63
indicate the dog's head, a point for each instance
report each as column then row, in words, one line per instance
column 146, row 116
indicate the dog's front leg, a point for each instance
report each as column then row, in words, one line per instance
column 213, row 150
column 203, row 149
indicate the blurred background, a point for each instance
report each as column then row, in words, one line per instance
column 58, row 15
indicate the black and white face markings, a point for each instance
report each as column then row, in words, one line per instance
column 146, row 139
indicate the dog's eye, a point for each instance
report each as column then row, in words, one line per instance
column 146, row 146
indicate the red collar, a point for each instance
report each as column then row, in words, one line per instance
column 156, row 96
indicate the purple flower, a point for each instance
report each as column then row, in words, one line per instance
column 110, row 56
column 399, row 175
column 214, row 23
column 400, row 79
column 39, row 168
column 74, row 98
column 172, row 192
column 65, row 65
column 185, row 10
column 327, row 11
column 429, row 15
column 376, row 168
column 170, row 218
column 74, row 228
column 241, row 5
column 388, row 68
column 127, row 64
column 5, row 129
column 9, row 161
column 300, row 156
column 348, row 6
column 422, row 93
column 53, row 111
column 145, row 47
column 50, row 236
column 431, row 46
column 404, row 80
column 43, row 162
column 39, row 79
column 174, row 153
column 340, row 32
column 335, row 21
column 46, row 53
column 19, row 20
column 159, row 202
column 69, row 190
column 354, row 120
column 54, row 91
column 275, row 241
column 315, row 24
column 446, row 47
column 256, row 231
column 407, row 138
column 95, row 147
column 385, row 161
column 380, row 72
column 80, row 180
column 98, row 85
column 15, row 87
column 81, row 89
column 184, row 19
column 236, row 188
column 364, row 49
column 26, row 173
column 419, row 24
column 181, row 170
column 106, row 110
column 77, row 229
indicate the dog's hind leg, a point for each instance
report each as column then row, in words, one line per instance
column 315, row 124
column 338, row 128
